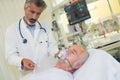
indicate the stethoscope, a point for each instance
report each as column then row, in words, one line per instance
column 24, row 39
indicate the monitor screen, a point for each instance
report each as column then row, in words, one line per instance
column 77, row 12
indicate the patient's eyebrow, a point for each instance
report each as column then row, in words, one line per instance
column 74, row 52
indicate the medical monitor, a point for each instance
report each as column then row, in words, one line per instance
column 77, row 11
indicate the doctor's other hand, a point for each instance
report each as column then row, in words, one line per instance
column 28, row 64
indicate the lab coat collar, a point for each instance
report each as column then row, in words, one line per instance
column 26, row 33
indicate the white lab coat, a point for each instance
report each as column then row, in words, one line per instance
column 36, row 48
column 99, row 66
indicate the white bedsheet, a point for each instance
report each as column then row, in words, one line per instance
column 99, row 66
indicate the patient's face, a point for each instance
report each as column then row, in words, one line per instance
column 73, row 56
column 72, row 61
column 77, row 55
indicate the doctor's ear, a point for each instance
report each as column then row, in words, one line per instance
column 24, row 8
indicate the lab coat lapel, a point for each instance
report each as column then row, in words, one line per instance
column 35, row 40
column 40, row 39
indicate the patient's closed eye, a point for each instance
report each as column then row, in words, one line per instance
column 74, row 52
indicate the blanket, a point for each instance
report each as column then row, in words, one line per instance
column 50, row 74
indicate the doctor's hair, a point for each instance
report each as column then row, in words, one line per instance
column 38, row 3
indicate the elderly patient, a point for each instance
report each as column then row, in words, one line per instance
column 81, row 64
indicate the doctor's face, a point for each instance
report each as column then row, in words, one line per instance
column 32, row 13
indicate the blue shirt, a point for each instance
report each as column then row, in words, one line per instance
column 31, row 29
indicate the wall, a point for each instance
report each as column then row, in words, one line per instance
column 115, row 6
column 10, row 12
column 100, row 9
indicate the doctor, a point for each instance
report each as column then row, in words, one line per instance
column 28, row 42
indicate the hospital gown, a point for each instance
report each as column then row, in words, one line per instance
column 99, row 66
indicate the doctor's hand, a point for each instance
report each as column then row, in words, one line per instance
column 28, row 64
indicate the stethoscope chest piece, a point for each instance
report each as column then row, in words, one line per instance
column 24, row 41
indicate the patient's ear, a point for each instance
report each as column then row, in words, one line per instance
column 77, row 66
